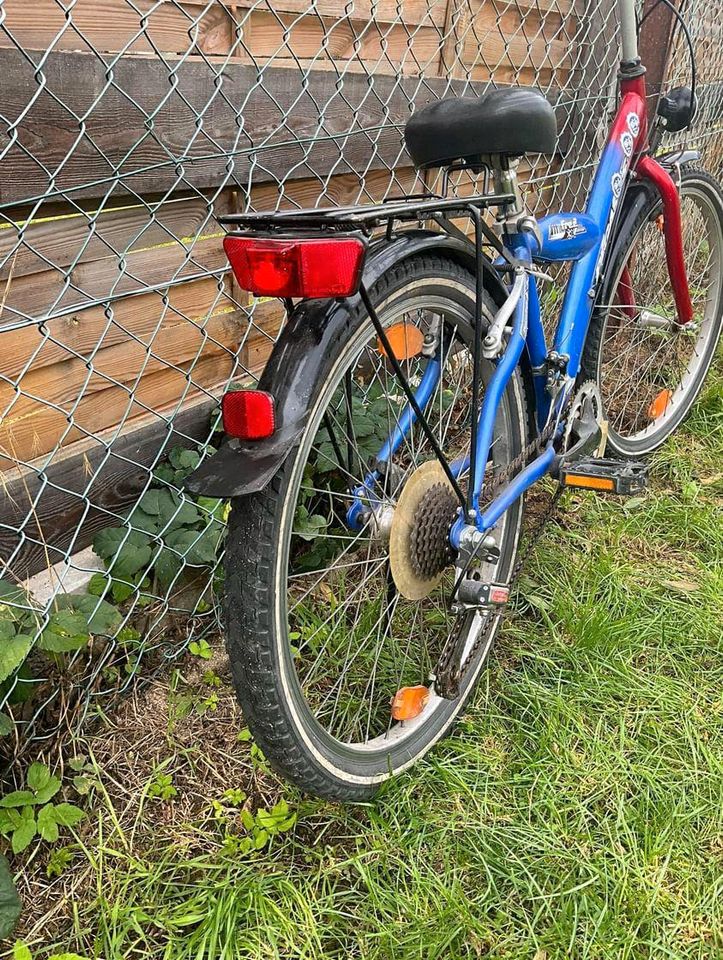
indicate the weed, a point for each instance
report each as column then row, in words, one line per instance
column 161, row 787
column 28, row 813
column 201, row 648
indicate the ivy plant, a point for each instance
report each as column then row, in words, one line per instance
column 70, row 623
column 164, row 532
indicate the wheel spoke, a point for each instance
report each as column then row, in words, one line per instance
column 637, row 364
column 359, row 640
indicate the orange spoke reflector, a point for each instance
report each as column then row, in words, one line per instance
column 589, row 483
column 658, row 407
column 409, row 702
column 405, row 339
column 660, row 223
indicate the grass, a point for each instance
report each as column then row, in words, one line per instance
column 576, row 812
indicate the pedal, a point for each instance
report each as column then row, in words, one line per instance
column 624, row 477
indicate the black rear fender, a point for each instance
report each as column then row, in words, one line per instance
column 301, row 360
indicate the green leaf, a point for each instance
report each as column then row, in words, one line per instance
column 9, row 820
column 47, row 825
column 201, row 648
column 196, row 549
column 21, row 951
column 12, row 593
column 247, row 819
column 66, row 630
column 181, row 513
column 166, row 567
column 130, row 559
column 165, row 473
column 9, row 900
column 261, row 839
column 67, row 956
column 100, row 616
column 6, row 725
column 13, row 650
column 16, row 607
column 18, row 798
column 107, row 544
column 122, row 590
column 151, row 502
column 67, row 814
column 213, row 505
column 24, row 834
column 145, row 523
column 48, row 791
column 84, row 784
column 183, row 459
column 39, row 776
column 98, row 584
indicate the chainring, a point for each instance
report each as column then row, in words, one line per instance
column 586, row 401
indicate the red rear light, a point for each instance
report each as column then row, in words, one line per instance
column 248, row 414
column 296, row 268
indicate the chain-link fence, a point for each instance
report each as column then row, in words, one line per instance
column 129, row 127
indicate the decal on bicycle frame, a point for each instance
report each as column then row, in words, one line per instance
column 617, row 181
column 566, row 229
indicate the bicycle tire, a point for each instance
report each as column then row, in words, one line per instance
column 256, row 631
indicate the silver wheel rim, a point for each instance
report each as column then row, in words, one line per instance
column 395, row 734
column 646, row 355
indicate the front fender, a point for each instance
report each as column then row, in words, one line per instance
column 300, row 362
column 637, row 196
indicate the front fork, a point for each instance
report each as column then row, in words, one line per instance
column 649, row 169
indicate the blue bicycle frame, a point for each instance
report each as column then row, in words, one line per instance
column 581, row 238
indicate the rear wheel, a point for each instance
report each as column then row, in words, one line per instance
column 319, row 636
column 650, row 371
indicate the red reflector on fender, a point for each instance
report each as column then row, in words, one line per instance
column 248, row 414
column 296, row 268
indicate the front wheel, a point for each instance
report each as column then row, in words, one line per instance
column 319, row 633
column 649, row 370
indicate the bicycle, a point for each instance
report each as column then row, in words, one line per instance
column 377, row 472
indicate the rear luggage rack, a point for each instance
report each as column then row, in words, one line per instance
column 366, row 217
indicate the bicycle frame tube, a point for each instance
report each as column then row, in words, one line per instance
column 628, row 131
column 628, row 134
column 623, row 151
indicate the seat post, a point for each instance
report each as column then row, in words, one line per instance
column 506, row 181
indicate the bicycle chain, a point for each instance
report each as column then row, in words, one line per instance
column 450, row 672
